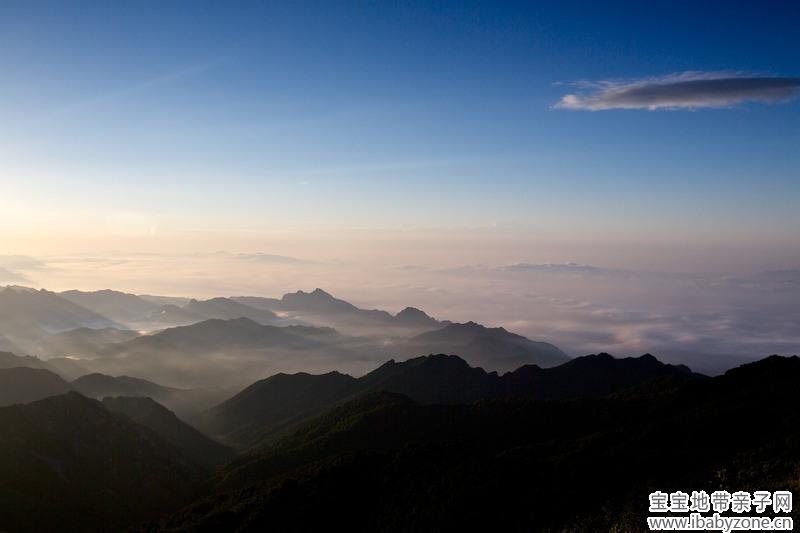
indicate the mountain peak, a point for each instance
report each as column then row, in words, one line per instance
column 774, row 365
column 319, row 293
column 416, row 317
column 315, row 301
column 644, row 363
column 440, row 359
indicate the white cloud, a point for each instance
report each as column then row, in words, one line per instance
column 687, row 90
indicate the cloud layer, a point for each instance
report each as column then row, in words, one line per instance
column 710, row 322
column 689, row 90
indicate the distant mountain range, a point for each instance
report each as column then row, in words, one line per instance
column 118, row 306
column 189, row 355
column 494, row 348
column 316, row 307
column 27, row 379
column 66, row 368
column 29, row 317
column 87, row 341
column 214, row 335
column 182, row 341
column 319, row 307
column 10, row 360
column 226, row 309
column 185, row 402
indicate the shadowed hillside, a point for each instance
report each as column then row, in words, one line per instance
column 514, row 465
column 68, row 464
column 185, row 402
column 193, row 444
column 270, row 406
column 23, row 385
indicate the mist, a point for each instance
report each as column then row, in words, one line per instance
column 708, row 321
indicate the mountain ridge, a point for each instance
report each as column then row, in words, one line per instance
column 370, row 455
column 248, row 417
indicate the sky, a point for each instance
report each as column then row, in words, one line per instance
column 643, row 135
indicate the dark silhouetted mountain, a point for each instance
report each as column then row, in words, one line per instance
column 589, row 376
column 193, row 444
column 251, row 416
column 493, row 348
column 227, row 309
column 443, row 379
column 514, row 465
column 119, row 306
column 273, row 404
column 23, row 385
column 68, row 464
column 448, row 379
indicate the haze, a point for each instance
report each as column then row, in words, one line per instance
column 481, row 164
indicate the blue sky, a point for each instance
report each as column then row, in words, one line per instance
column 247, row 118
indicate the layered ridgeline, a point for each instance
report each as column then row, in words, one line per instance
column 191, row 355
column 129, row 396
column 493, row 452
column 27, row 379
column 185, row 402
column 320, row 307
column 383, row 462
column 67, row 368
column 221, row 341
column 224, row 352
column 28, row 317
column 493, row 348
column 275, row 404
column 315, row 307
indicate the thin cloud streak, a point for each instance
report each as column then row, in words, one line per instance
column 688, row 90
column 161, row 80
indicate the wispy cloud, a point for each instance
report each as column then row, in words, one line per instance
column 687, row 90
column 8, row 276
column 20, row 262
column 162, row 79
column 260, row 257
